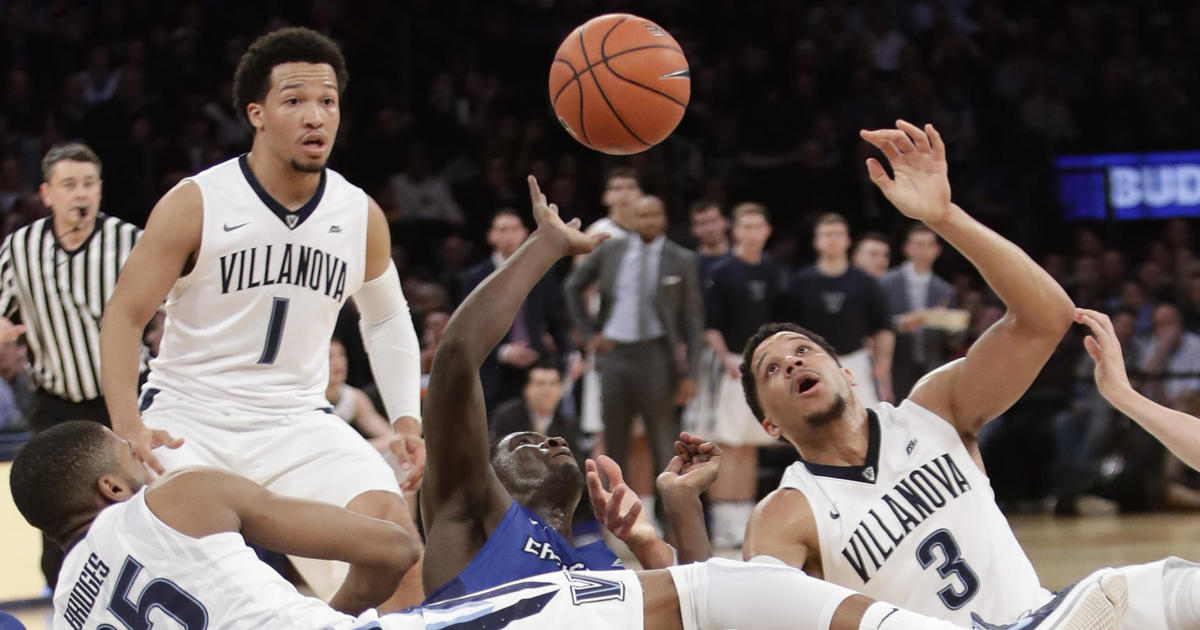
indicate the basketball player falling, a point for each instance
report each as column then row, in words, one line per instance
column 893, row 501
column 255, row 257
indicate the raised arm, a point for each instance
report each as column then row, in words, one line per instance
column 1178, row 431
column 203, row 501
column 967, row 392
column 172, row 236
column 459, row 474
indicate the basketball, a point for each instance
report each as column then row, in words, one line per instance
column 619, row 84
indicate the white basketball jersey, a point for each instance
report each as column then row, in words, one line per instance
column 132, row 570
column 917, row 526
column 250, row 324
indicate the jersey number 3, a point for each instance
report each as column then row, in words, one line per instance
column 161, row 594
column 953, row 596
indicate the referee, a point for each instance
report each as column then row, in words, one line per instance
column 56, row 275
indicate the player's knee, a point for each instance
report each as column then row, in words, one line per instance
column 383, row 505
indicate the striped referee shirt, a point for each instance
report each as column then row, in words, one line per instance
column 60, row 297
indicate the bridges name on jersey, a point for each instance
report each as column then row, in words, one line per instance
column 926, row 489
column 297, row 265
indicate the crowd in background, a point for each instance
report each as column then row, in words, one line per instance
column 446, row 111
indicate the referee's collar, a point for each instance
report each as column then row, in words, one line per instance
column 49, row 225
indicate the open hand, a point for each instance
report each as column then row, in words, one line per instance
column 144, row 440
column 568, row 235
column 409, row 449
column 619, row 509
column 919, row 186
column 1104, row 348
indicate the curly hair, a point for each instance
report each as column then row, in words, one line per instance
column 252, row 79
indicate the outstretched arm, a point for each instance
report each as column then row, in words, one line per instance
column 204, row 501
column 459, row 472
column 1179, row 431
column 967, row 392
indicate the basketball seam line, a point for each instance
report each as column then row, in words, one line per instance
column 579, row 84
column 638, row 83
column 605, row 61
column 599, row 89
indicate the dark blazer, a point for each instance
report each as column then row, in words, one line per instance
column 545, row 313
column 678, row 299
column 906, row 371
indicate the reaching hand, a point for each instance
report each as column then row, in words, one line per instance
column 919, row 186
column 567, row 234
column 1104, row 348
column 409, row 449
column 9, row 331
column 694, row 467
column 144, row 440
column 620, row 510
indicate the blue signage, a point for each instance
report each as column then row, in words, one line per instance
column 1127, row 186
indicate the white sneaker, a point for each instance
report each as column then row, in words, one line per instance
column 1097, row 602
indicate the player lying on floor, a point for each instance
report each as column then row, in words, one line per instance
column 174, row 552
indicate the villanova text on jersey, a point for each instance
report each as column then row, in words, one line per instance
column 297, row 265
column 925, row 490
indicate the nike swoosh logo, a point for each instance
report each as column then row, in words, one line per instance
column 229, row 228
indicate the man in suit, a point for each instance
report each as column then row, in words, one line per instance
column 910, row 288
column 542, row 315
column 649, row 304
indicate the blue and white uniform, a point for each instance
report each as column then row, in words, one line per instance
column 523, row 545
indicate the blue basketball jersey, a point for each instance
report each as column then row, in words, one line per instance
column 523, row 546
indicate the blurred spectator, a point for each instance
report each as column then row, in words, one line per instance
column 910, row 289
column 351, row 404
column 872, row 254
column 709, row 228
column 422, row 195
column 1172, row 358
column 16, row 390
column 845, row 306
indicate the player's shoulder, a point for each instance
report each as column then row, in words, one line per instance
column 783, row 507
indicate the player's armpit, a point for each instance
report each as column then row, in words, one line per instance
column 782, row 527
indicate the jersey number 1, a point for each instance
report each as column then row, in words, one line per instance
column 161, row 594
column 952, row 564
column 274, row 331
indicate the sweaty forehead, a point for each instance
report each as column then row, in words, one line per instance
column 511, row 437
column 298, row 73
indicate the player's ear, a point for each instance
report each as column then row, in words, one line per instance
column 771, row 428
column 849, row 376
column 114, row 488
column 254, row 113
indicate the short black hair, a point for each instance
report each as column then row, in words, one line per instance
column 764, row 332
column 252, row 79
column 53, row 477
column 71, row 152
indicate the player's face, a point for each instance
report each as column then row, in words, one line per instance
column 73, row 191
column 872, row 257
column 799, row 384
column 831, row 239
column 299, row 118
column 708, row 226
column 752, row 231
column 127, row 467
column 338, row 364
column 525, row 462
column 507, row 234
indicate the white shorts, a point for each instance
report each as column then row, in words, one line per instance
column 719, row 412
column 313, row 455
column 580, row 600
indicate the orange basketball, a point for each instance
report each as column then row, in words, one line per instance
column 619, row 84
